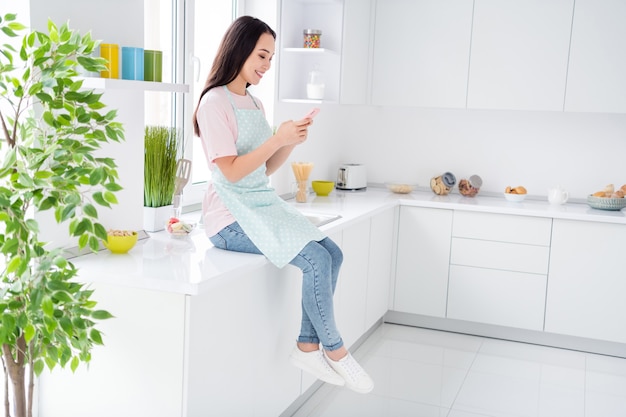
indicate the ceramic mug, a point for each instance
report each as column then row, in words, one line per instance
column 557, row 195
column 132, row 63
column 152, row 65
column 111, row 52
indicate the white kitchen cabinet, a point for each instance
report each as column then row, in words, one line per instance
column 381, row 247
column 239, row 337
column 137, row 372
column 424, row 45
column 357, row 49
column 492, row 296
column 519, row 54
column 295, row 61
column 351, row 293
column 586, row 284
column 498, row 269
column 597, row 64
column 421, row 283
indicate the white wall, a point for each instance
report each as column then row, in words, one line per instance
column 581, row 151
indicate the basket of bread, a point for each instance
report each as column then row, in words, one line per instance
column 608, row 199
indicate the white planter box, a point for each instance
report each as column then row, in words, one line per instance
column 155, row 218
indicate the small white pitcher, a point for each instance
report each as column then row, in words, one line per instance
column 557, row 195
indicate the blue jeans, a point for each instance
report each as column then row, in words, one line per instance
column 320, row 263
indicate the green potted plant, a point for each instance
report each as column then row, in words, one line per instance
column 162, row 146
column 51, row 129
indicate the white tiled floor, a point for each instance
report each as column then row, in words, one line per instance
column 428, row 373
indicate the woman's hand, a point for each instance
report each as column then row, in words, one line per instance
column 293, row 132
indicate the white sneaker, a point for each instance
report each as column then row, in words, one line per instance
column 315, row 364
column 356, row 378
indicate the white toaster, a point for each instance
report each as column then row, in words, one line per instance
column 351, row 177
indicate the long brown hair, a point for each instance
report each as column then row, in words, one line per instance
column 237, row 45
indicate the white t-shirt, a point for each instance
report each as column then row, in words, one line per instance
column 218, row 134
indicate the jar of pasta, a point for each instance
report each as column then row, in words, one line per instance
column 312, row 38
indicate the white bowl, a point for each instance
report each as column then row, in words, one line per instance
column 399, row 187
column 516, row 198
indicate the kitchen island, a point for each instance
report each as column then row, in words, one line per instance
column 198, row 329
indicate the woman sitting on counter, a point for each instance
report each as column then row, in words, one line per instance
column 243, row 213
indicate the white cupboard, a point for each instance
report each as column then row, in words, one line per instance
column 519, row 54
column 351, row 293
column 423, row 255
column 597, row 64
column 498, row 269
column 421, row 53
column 381, row 250
column 587, row 286
column 356, row 57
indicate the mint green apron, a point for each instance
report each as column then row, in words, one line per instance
column 276, row 228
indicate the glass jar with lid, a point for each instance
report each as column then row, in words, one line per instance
column 312, row 38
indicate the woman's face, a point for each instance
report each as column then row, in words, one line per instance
column 259, row 61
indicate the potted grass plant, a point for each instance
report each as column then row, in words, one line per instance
column 51, row 130
column 162, row 147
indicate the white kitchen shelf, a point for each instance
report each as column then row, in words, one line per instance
column 311, row 51
column 133, row 85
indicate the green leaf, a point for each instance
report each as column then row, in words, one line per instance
column 90, row 210
column 100, row 231
column 110, row 197
column 29, row 332
column 113, row 186
column 94, row 243
column 66, row 325
column 38, row 367
column 63, row 296
column 74, row 364
column 14, row 263
column 96, row 176
column 101, row 315
column 47, row 306
column 96, row 336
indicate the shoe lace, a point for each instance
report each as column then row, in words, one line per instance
column 352, row 367
column 327, row 368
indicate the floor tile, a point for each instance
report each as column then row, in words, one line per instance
column 429, row 373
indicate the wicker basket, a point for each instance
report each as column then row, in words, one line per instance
column 604, row 203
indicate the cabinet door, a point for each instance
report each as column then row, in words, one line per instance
column 379, row 271
column 586, row 285
column 519, row 54
column 138, row 371
column 597, row 64
column 505, row 298
column 421, row 52
column 351, row 290
column 502, row 228
column 356, row 57
column 422, row 262
column 262, row 304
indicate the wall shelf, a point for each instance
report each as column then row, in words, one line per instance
column 133, row 85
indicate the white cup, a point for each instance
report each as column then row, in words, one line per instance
column 557, row 195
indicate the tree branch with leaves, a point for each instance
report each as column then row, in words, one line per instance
column 52, row 128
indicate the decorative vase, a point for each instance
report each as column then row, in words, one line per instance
column 155, row 218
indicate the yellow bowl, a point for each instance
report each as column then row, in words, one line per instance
column 120, row 244
column 322, row 188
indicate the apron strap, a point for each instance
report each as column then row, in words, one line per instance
column 232, row 103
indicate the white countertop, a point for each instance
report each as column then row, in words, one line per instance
column 192, row 265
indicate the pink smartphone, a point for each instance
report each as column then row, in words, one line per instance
column 312, row 113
